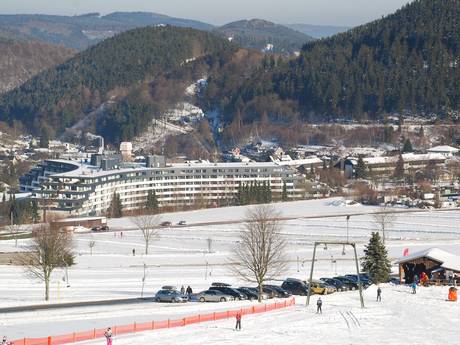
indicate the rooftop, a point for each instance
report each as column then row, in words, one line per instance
column 448, row 260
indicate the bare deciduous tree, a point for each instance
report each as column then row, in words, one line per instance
column 209, row 241
column 14, row 230
column 260, row 251
column 384, row 220
column 50, row 249
column 148, row 225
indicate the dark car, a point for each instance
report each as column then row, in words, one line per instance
column 295, row 287
column 166, row 223
column 255, row 291
column 250, row 294
column 348, row 282
column 229, row 291
column 279, row 291
column 363, row 280
column 340, row 286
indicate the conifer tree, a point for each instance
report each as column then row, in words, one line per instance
column 361, row 169
column 407, row 147
column 399, row 169
column 152, row 202
column 375, row 261
column 284, row 195
column 34, row 212
column 116, row 207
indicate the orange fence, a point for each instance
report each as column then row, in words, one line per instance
column 149, row 326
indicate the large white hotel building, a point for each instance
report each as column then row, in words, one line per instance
column 77, row 188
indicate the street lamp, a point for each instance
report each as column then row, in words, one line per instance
column 343, row 250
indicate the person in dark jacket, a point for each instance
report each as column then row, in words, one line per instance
column 238, row 321
column 319, row 305
column 379, row 294
column 189, row 290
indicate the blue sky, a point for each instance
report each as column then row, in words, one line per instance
column 331, row 12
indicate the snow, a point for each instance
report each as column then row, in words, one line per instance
column 181, row 257
column 401, row 318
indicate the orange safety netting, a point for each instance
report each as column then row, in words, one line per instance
column 153, row 325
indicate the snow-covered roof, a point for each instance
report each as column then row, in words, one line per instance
column 444, row 149
column 407, row 157
column 448, row 261
column 298, row 162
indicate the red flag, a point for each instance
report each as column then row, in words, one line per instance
column 406, row 252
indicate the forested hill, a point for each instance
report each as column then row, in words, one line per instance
column 257, row 34
column 59, row 97
column 407, row 62
column 21, row 60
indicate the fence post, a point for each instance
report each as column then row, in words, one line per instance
column 199, row 317
column 24, row 341
column 153, row 325
column 285, row 304
column 94, row 333
column 214, row 316
column 73, row 337
column 184, row 321
column 134, row 327
column 265, row 308
column 168, row 323
column 49, row 340
column 115, row 330
column 253, row 309
column 228, row 314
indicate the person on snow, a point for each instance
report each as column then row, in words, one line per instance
column 6, row 342
column 414, row 287
column 379, row 294
column 108, row 336
column 189, row 291
column 238, row 321
column 182, row 290
column 319, row 305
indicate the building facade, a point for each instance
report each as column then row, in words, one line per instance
column 87, row 189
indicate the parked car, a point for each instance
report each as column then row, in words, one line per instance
column 100, row 228
column 213, row 296
column 250, row 294
column 80, row 229
column 348, row 282
column 172, row 296
column 280, row 292
column 295, row 286
column 164, row 224
column 230, row 291
column 321, row 288
column 254, row 291
column 340, row 286
column 182, row 222
column 364, row 281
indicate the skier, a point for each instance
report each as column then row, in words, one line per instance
column 379, row 294
column 319, row 304
column 108, row 336
column 414, row 287
column 189, row 291
column 5, row 341
column 182, row 290
column 238, row 321
column 134, row 252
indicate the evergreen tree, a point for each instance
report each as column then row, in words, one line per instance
column 375, row 261
column 399, row 169
column 407, row 147
column 152, row 202
column 284, row 194
column 116, row 207
column 34, row 212
column 361, row 169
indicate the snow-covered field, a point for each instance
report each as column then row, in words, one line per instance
column 401, row 318
column 181, row 257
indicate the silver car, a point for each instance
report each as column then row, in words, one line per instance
column 213, row 296
column 172, row 296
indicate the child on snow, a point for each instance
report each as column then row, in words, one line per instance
column 108, row 336
column 319, row 305
column 238, row 321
